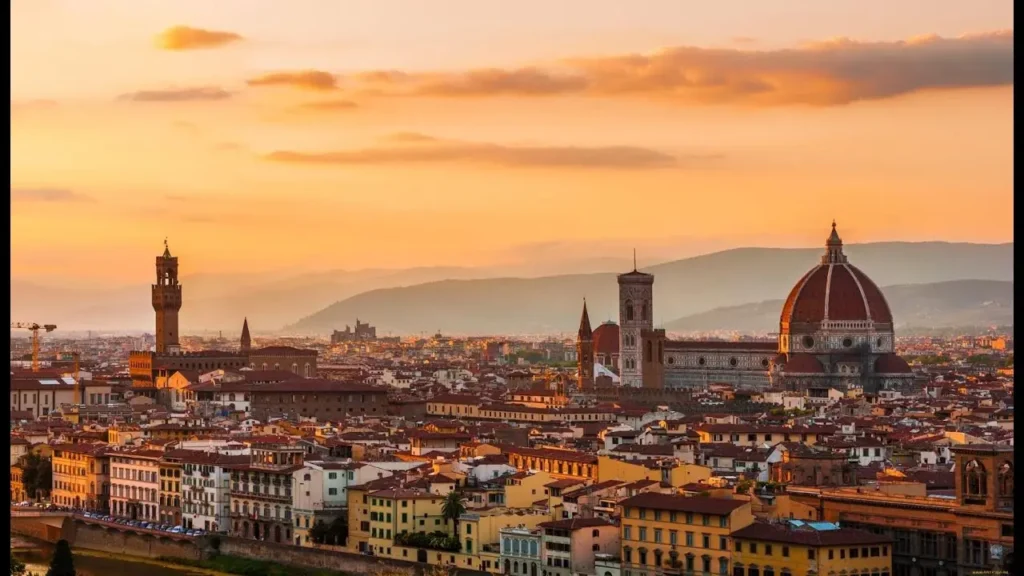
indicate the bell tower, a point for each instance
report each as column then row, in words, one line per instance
column 166, row 302
column 585, row 352
column 636, row 314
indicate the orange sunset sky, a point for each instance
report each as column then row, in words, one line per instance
column 326, row 134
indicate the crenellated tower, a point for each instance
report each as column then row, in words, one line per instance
column 585, row 352
column 166, row 302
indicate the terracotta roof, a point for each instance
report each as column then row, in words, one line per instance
column 606, row 338
column 313, row 385
column 803, row 364
column 576, row 523
column 891, row 364
column 808, row 537
column 677, row 503
column 282, row 351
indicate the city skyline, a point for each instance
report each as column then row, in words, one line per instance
column 263, row 136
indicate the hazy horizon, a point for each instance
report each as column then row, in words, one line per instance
column 317, row 135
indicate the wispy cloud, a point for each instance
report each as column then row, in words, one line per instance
column 829, row 73
column 55, row 195
column 327, row 106
column 188, row 38
column 314, row 80
column 431, row 150
column 201, row 94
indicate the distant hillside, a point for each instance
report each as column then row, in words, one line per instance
column 937, row 305
column 681, row 288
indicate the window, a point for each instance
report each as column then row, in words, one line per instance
column 767, row 549
column 723, row 521
column 689, row 517
column 332, row 491
column 785, row 551
column 627, row 532
column 332, row 475
column 706, row 520
column 657, row 535
column 643, row 534
column 689, row 539
column 706, row 540
column 722, row 545
column 811, row 555
column 739, row 546
column 673, row 537
column 854, row 553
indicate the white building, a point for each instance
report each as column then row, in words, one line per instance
column 320, row 494
column 205, row 488
column 135, row 484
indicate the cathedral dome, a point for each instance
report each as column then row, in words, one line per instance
column 606, row 339
column 835, row 291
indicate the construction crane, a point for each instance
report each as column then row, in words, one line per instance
column 35, row 328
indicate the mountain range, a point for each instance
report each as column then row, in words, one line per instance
column 954, row 304
column 502, row 300
column 681, row 288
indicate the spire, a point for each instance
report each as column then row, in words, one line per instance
column 167, row 251
column 585, row 332
column 246, row 343
column 833, row 248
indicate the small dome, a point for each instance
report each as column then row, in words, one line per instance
column 606, row 339
column 803, row 364
column 892, row 364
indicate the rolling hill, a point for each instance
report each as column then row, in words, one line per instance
column 682, row 288
column 957, row 303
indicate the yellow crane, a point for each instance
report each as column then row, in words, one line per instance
column 35, row 328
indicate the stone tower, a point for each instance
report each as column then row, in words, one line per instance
column 585, row 353
column 636, row 314
column 166, row 302
column 246, row 343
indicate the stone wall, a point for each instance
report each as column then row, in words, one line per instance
column 316, row 558
column 113, row 541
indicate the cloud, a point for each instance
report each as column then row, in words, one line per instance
column 328, row 106
column 56, row 195
column 830, row 73
column 187, row 38
column 178, row 95
column 315, row 80
column 410, row 137
column 429, row 150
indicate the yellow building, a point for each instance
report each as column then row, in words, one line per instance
column 524, row 488
column 758, row 435
column 480, row 531
column 18, row 493
column 797, row 549
column 678, row 475
column 557, row 462
column 81, row 476
column 668, row 532
column 396, row 511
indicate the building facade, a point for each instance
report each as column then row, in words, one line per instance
column 81, row 476
column 135, row 484
column 323, row 399
column 166, row 302
column 261, row 493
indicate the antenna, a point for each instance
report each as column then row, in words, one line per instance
column 634, row 259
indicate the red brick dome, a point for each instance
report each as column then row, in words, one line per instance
column 835, row 290
column 891, row 364
column 803, row 364
column 606, row 339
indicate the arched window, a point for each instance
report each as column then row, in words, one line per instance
column 308, row 372
column 596, row 533
column 508, row 547
column 533, row 547
column 643, row 310
column 629, row 309
column 975, row 480
column 515, row 550
column 1006, row 479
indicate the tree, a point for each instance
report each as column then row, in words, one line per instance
column 318, row 533
column 452, row 508
column 337, row 532
column 17, row 567
column 38, row 476
column 63, row 563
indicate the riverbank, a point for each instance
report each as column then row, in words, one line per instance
column 236, row 565
column 37, row 555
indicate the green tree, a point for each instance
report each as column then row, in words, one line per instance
column 17, row 567
column 453, row 508
column 318, row 533
column 337, row 532
column 63, row 563
column 38, row 476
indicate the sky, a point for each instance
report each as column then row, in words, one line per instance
column 338, row 134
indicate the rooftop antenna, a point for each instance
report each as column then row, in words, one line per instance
column 634, row 259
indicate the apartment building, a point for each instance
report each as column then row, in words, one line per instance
column 261, row 492
column 662, row 532
column 796, row 548
column 205, row 488
column 81, row 476
column 320, row 494
column 135, row 484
